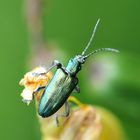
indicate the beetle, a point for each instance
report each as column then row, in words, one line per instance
column 64, row 82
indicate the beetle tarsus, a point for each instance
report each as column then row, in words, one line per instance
column 67, row 110
column 57, row 120
column 64, row 114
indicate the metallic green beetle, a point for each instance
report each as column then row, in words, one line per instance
column 64, row 82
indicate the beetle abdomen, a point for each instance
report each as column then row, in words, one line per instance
column 56, row 93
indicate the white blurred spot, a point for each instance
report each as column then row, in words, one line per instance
column 102, row 73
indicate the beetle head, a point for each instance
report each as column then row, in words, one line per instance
column 80, row 59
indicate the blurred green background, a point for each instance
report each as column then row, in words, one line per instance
column 69, row 25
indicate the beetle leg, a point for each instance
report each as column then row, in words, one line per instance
column 57, row 120
column 64, row 70
column 66, row 112
column 39, row 88
column 77, row 89
column 54, row 64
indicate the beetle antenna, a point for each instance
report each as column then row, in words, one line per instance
column 100, row 50
column 92, row 36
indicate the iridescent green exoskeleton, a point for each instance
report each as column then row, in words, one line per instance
column 64, row 82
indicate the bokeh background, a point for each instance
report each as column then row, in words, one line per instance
column 108, row 80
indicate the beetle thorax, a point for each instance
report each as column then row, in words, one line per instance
column 74, row 64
